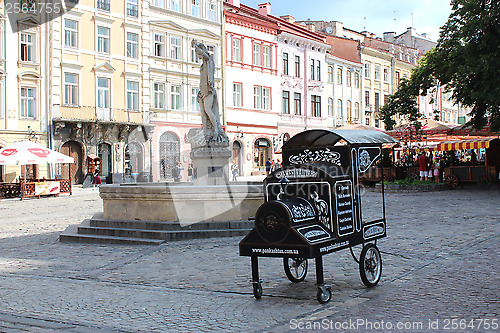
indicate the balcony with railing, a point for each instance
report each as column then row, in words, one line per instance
column 91, row 113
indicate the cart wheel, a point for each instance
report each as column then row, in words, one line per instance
column 370, row 265
column 324, row 294
column 257, row 290
column 451, row 182
column 295, row 269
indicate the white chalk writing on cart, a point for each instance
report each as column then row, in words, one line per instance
column 323, row 155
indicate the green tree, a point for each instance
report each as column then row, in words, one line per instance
column 466, row 59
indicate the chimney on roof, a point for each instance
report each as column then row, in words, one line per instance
column 310, row 26
column 265, row 9
column 288, row 18
column 234, row 2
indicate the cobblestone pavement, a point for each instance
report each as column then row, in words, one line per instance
column 440, row 267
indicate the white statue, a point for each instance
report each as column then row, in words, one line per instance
column 213, row 133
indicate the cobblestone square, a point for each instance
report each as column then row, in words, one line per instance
column 440, row 262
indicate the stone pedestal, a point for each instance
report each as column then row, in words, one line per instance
column 211, row 165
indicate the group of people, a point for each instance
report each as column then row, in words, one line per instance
column 272, row 165
column 431, row 167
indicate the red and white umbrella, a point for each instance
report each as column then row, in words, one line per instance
column 27, row 152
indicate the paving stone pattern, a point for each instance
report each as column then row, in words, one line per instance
column 440, row 261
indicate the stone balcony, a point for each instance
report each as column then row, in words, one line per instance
column 91, row 113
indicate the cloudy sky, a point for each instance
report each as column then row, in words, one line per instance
column 371, row 15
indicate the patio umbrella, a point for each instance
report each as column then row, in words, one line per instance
column 359, row 127
column 26, row 152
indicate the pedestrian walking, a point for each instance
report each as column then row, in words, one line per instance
column 96, row 179
column 234, row 170
column 269, row 164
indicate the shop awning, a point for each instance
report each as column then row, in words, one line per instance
column 421, row 148
column 465, row 144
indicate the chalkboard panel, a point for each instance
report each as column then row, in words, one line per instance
column 344, row 202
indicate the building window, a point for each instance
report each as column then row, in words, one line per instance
column 318, row 70
column 70, row 89
column 377, row 101
column 175, row 5
column 356, row 80
column 237, row 101
column 212, row 10
column 356, row 111
column 266, row 98
column 367, row 70
column 195, row 106
column 386, row 74
column 132, row 45
column 330, row 106
column 312, row 69
column 103, row 5
column 196, row 8
column 316, row 105
column 211, row 51
column 133, row 95
column 160, row 3
column 339, row 75
column 70, row 33
column 398, row 78
column 348, row 78
column 159, row 45
column 159, row 95
column 349, row 110
column 339, row 108
column 27, row 47
column 297, row 103
column 330, row 74
column 175, row 47
column 377, row 72
column 367, row 99
column 103, row 39
column 175, row 97
column 286, row 102
column 237, row 50
column 297, row 66
column 28, row 107
column 133, row 8
column 257, row 97
column 103, row 93
column 256, row 54
column 285, row 63
column 266, row 56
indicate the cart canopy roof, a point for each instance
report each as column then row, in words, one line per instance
column 324, row 137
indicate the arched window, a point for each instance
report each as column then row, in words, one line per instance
column 339, row 75
column 169, row 154
column 236, row 158
column 262, row 151
column 349, row 111
column 339, row 107
column 356, row 110
column 133, row 160
column 356, row 80
column 348, row 78
column 104, row 152
column 330, row 106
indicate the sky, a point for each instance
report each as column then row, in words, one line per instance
column 371, row 15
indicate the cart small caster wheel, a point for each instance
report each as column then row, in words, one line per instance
column 370, row 265
column 324, row 294
column 295, row 269
column 257, row 290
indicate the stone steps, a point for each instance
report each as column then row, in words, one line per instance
column 98, row 230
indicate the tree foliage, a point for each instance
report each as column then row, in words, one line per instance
column 466, row 59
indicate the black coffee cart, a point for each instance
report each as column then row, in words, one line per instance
column 313, row 206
